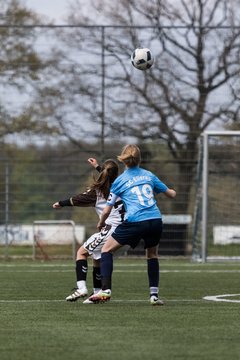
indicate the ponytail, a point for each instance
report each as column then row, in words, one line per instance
column 107, row 176
column 130, row 156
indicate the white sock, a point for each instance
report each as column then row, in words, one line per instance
column 153, row 291
column 81, row 284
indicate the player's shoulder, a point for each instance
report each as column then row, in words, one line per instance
column 146, row 172
column 120, row 178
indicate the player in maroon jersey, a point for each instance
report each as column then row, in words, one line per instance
column 95, row 196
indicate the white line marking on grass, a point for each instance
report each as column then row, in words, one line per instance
column 44, row 270
column 29, row 301
column 165, row 301
column 142, row 264
column 222, row 298
column 79, row 302
column 199, row 271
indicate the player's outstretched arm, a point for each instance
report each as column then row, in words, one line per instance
column 56, row 205
column 62, row 203
column 170, row 193
column 93, row 162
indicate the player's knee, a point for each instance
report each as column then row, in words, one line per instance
column 82, row 253
column 152, row 253
column 110, row 245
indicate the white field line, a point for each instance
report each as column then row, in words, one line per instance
column 222, row 298
column 217, row 298
column 79, row 302
column 207, row 271
column 143, row 264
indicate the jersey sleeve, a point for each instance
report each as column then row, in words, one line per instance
column 99, row 168
column 159, row 186
column 111, row 199
column 88, row 198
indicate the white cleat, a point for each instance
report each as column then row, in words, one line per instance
column 77, row 294
column 155, row 301
column 88, row 301
column 101, row 296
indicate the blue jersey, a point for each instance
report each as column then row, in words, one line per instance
column 136, row 187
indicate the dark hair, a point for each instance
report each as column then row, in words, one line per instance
column 107, row 176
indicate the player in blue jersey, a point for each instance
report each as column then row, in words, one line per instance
column 136, row 187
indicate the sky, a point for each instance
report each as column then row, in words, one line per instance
column 53, row 9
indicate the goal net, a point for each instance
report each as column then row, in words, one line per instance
column 217, row 220
column 56, row 239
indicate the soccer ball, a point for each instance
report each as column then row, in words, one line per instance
column 142, row 59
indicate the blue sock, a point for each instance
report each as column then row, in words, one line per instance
column 106, row 270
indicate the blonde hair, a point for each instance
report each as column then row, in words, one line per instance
column 130, row 156
column 107, row 176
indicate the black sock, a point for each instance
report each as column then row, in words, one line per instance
column 81, row 269
column 97, row 283
column 153, row 272
column 106, row 270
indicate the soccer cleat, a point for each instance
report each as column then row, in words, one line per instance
column 101, row 296
column 77, row 294
column 88, row 301
column 154, row 300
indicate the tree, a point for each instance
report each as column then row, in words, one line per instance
column 81, row 85
column 21, row 66
column 194, row 84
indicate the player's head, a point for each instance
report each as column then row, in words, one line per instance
column 106, row 178
column 110, row 169
column 130, row 156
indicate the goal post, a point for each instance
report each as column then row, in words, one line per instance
column 220, row 196
column 54, row 239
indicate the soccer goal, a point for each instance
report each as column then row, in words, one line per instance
column 54, row 239
column 217, row 210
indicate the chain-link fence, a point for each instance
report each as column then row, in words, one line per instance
column 29, row 188
column 69, row 92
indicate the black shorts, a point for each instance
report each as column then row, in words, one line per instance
column 130, row 233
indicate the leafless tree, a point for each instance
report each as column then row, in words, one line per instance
column 193, row 85
column 87, row 87
column 21, row 67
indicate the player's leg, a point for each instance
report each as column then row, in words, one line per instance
column 81, row 274
column 97, row 284
column 153, row 275
column 125, row 234
column 151, row 245
column 107, row 262
column 108, row 248
column 96, row 275
column 94, row 248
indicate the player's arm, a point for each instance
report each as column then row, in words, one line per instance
column 170, row 193
column 106, row 211
column 81, row 199
column 94, row 163
column 86, row 199
column 160, row 187
column 104, row 216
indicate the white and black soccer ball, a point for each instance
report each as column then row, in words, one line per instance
column 142, row 59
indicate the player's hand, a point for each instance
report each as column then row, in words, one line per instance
column 93, row 162
column 56, row 205
column 100, row 225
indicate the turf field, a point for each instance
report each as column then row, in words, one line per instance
column 36, row 323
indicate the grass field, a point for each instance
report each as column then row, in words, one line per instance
column 37, row 323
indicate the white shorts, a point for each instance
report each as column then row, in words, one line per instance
column 94, row 244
